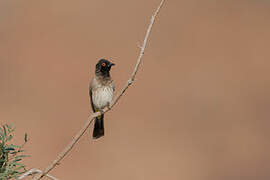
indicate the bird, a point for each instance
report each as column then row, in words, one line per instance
column 101, row 90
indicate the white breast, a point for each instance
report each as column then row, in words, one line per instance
column 102, row 96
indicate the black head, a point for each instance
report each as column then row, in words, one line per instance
column 103, row 67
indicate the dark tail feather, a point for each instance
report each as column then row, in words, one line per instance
column 98, row 127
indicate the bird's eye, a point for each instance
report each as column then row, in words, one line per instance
column 103, row 64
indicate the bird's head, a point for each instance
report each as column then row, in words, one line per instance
column 104, row 66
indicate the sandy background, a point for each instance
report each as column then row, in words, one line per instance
column 199, row 109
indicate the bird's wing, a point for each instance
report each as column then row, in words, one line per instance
column 90, row 94
column 113, row 87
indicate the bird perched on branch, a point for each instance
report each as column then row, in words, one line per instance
column 101, row 91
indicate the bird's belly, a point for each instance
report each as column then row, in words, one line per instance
column 102, row 97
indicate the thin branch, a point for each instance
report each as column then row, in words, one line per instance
column 62, row 154
column 35, row 171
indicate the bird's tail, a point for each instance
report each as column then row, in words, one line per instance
column 98, row 127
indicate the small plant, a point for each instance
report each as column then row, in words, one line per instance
column 10, row 155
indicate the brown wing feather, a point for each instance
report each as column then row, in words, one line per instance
column 91, row 100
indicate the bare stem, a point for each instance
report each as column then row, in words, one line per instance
column 35, row 171
column 62, row 154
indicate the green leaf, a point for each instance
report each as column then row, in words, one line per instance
column 10, row 128
column 1, row 133
column 5, row 131
column 13, row 146
column 16, row 160
column 9, row 137
column 19, row 164
column 22, row 156
column 7, row 149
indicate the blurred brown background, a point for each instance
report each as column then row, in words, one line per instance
column 199, row 109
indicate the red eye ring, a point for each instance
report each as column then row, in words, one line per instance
column 103, row 64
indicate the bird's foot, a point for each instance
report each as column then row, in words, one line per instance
column 109, row 106
column 101, row 111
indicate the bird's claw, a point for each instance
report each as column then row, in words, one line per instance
column 109, row 106
column 101, row 111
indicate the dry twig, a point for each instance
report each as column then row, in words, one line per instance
column 62, row 154
column 35, row 171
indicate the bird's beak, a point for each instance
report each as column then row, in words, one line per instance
column 112, row 64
